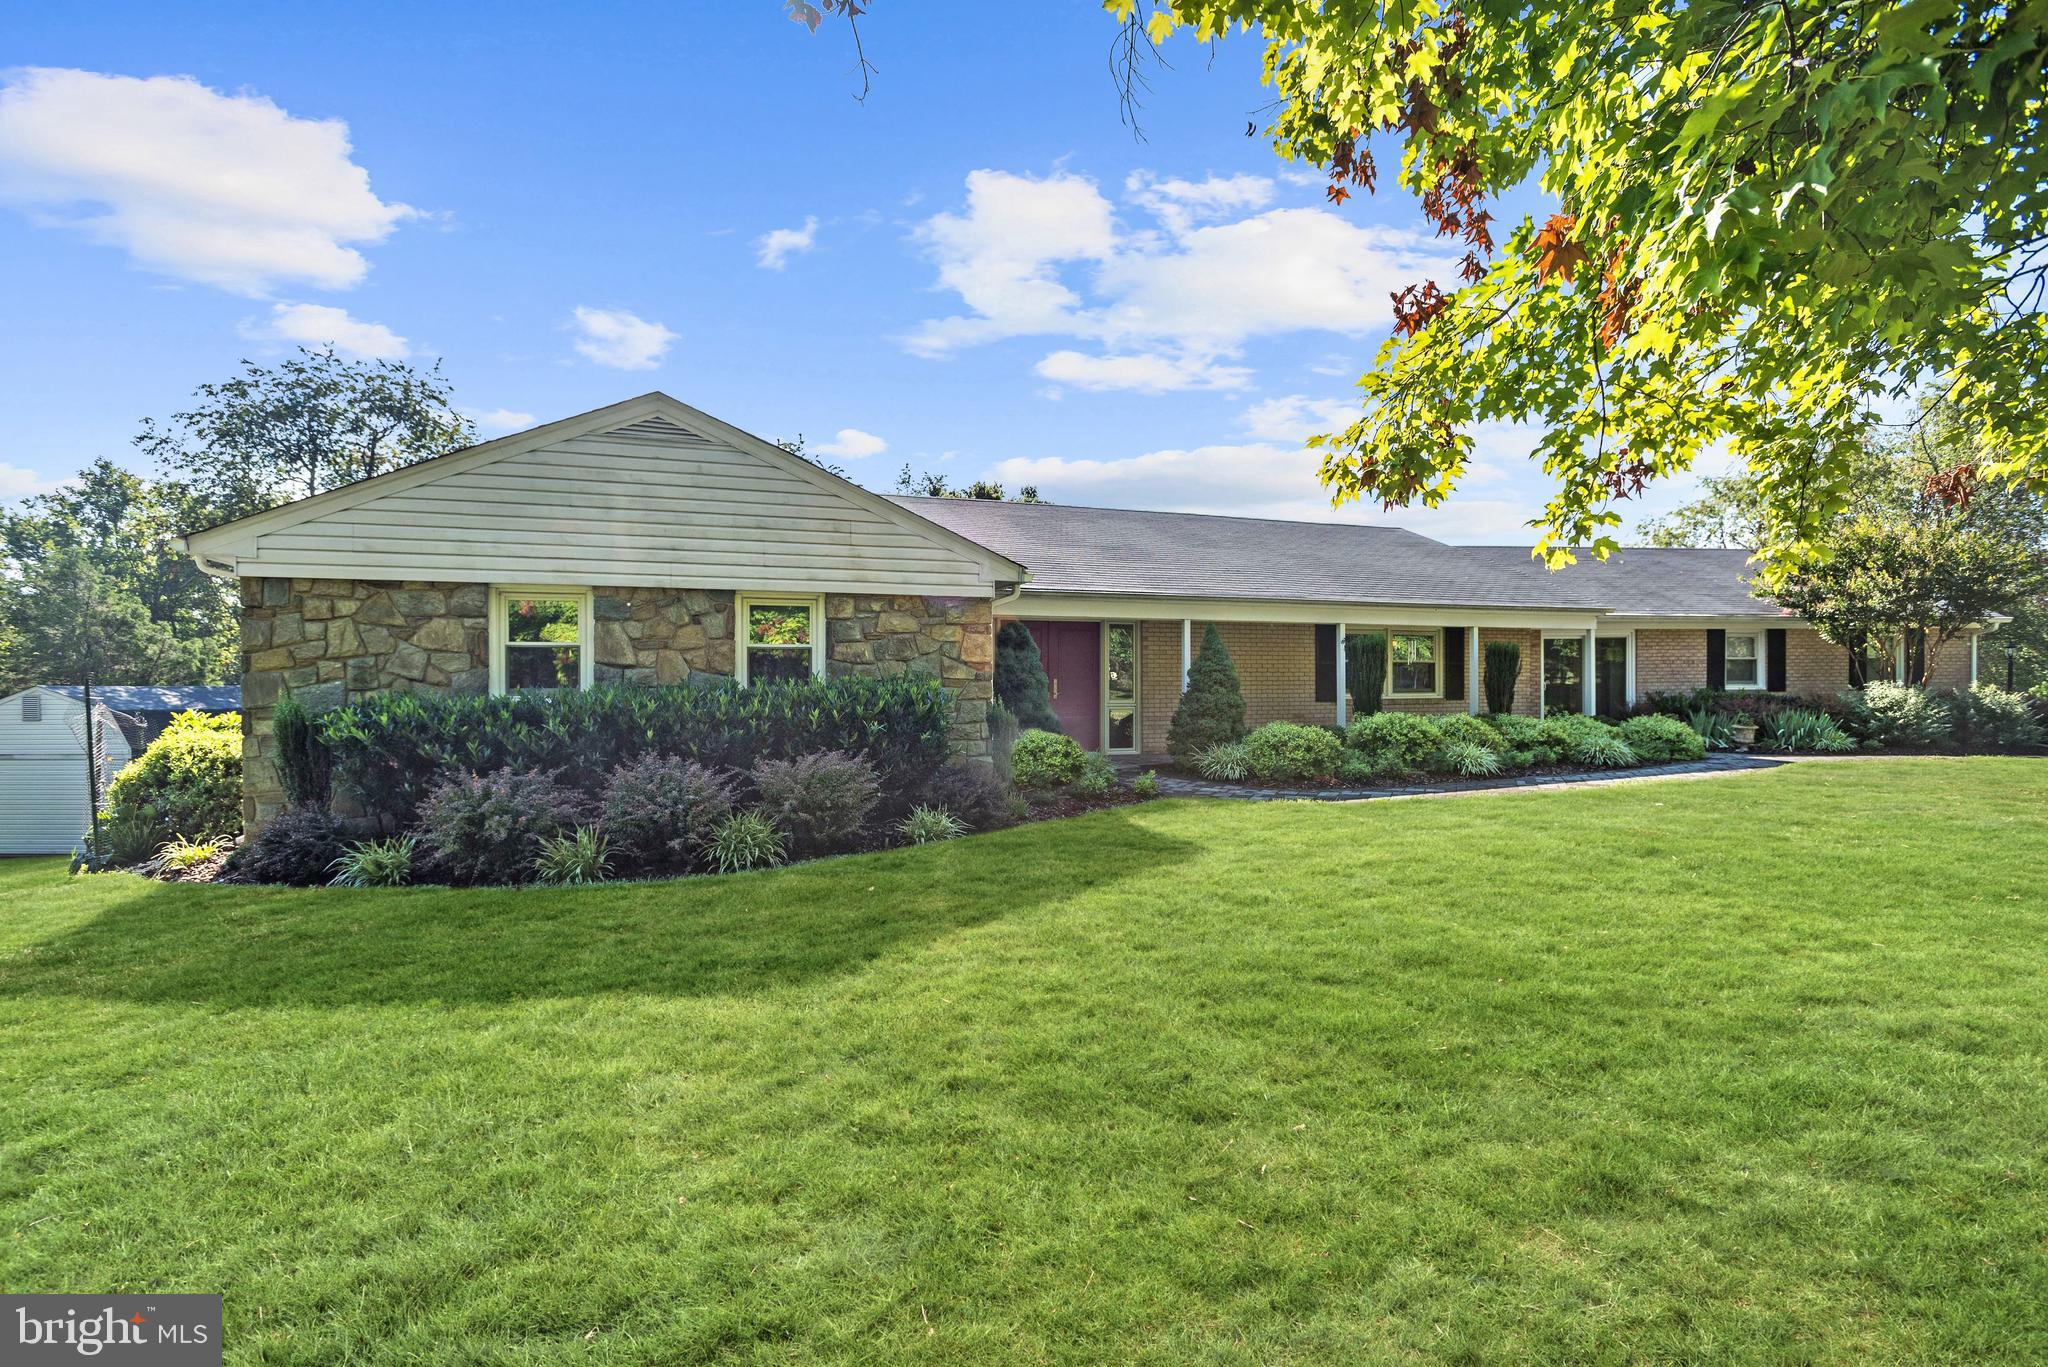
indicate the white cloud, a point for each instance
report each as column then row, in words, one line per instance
column 319, row 325
column 1177, row 203
column 1296, row 417
column 225, row 190
column 852, row 443
column 775, row 248
column 1048, row 257
column 499, row 419
column 1146, row 373
column 620, row 339
column 1001, row 256
column 15, row 482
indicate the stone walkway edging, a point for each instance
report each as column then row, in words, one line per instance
column 1171, row 785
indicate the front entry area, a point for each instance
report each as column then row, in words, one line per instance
column 1072, row 654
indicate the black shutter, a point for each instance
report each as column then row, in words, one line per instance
column 1717, row 659
column 1774, row 659
column 1454, row 662
column 1326, row 664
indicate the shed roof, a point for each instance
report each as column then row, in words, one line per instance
column 159, row 697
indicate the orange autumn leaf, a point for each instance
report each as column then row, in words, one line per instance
column 1556, row 253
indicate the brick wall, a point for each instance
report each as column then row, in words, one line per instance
column 335, row 640
column 1676, row 662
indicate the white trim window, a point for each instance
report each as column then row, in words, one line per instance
column 781, row 636
column 1414, row 663
column 1742, row 660
column 540, row 638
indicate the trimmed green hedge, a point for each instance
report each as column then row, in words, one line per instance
column 388, row 751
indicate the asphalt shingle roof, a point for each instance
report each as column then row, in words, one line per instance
column 159, row 698
column 1070, row 549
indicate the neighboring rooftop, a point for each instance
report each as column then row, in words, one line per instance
column 159, row 698
column 1070, row 549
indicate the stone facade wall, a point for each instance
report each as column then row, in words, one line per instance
column 335, row 640
column 950, row 639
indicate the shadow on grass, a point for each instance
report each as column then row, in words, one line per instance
column 241, row 946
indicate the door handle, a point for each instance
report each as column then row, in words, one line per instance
column 1055, row 690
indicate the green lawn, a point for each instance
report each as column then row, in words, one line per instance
column 1749, row 1067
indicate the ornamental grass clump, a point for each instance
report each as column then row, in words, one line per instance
column 1807, row 729
column 745, row 840
column 386, row 863
column 1467, row 759
column 582, row 856
column 1229, row 762
column 929, row 825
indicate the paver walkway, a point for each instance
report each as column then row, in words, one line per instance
column 1171, row 785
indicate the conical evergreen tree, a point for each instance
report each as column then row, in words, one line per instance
column 1021, row 684
column 1211, row 712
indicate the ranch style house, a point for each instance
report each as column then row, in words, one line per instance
column 647, row 542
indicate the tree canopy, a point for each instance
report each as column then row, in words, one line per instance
column 1769, row 219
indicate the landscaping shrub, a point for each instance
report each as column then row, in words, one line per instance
column 1021, row 685
column 1501, row 672
column 745, row 840
column 1588, row 741
column 187, row 783
column 488, row 829
column 389, row 750
column 303, row 764
column 582, row 856
column 819, row 802
column 1803, row 728
column 659, row 811
column 1288, row 751
column 1002, row 741
column 1146, row 784
column 1715, row 729
column 1226, row 763
column 929, row 825
column 974, row 794
column 1403, row 737
column 1471, row 730
column 1993, row 718
column 1468, row 759
column 1895, row 716
column 1662, row 740
column 297, row 847
column 383, row 863
column 1046, row 759
column 1097, row 776
column 1356, row 768
column 1365, row 671
column 1211, row 711
column 180, row 854
column 126, row 837
column 1529, row 741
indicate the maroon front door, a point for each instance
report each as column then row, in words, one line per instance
column 1072, row 652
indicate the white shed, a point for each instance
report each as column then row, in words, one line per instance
column 44, row 807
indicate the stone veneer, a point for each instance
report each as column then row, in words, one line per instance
column 335, row 640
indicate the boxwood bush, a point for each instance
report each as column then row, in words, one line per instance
column 1662, row 740
column 388, row 751
column 1406, row 739
column 1046, row 759
column 1286, row 751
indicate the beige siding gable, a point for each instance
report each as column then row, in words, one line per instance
column 653, row 500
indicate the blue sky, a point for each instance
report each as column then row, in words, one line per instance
column 978, row 271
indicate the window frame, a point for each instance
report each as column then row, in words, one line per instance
column 1136, row 701
column 498, row 634
column 743, row 603
column 1436, row 663
column 1759, row 648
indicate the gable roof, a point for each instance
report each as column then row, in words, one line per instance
column 617, row 485
column 1133, row 553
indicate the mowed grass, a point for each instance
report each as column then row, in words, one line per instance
column 1743, row 1068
